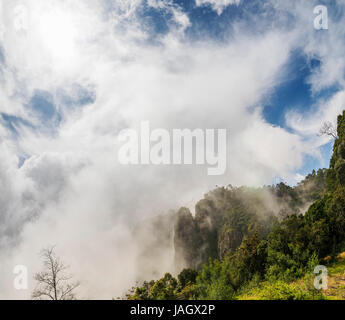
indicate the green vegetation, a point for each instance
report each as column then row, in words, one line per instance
column 246, row 243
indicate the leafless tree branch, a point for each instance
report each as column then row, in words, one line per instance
column 53, row 282
column 328, row 129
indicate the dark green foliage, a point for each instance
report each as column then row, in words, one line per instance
column 288, row 251
column 167, row 288
column 164, row 289
column 187, row 277
column 339, row 169
column 250, row 259
column 215, row 281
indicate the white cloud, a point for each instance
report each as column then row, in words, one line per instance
column 325, row 45
column 309, row 124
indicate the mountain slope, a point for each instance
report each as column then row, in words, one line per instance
column 261, row 243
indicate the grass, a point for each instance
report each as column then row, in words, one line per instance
column 303, row 289
column 336, row 279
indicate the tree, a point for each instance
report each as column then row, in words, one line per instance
column 164, row 289
column 54, row 282
column 328, row 129
column 187, row 276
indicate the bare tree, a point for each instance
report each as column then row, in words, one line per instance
column 328, row 129
column 54, row 283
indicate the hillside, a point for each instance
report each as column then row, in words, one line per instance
column 260, row 243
